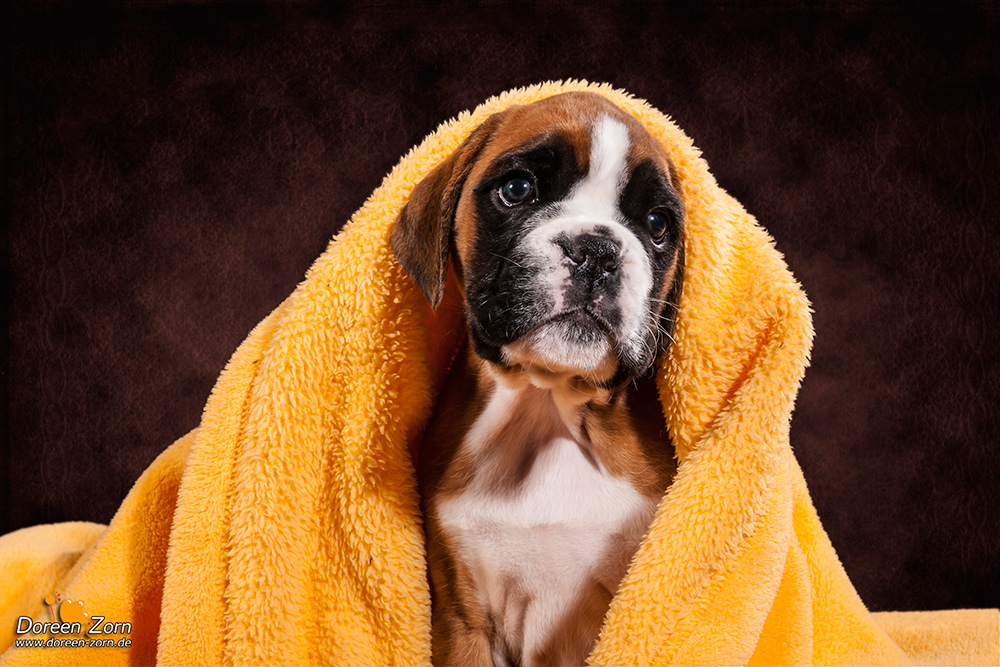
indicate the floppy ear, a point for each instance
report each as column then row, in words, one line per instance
column 421, row 235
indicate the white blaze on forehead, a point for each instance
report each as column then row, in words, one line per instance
column 597, row 194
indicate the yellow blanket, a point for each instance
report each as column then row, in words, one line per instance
column 285, row 529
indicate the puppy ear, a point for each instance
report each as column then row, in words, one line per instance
column 421, row 235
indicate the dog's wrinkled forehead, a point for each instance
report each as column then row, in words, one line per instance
column 562, row 141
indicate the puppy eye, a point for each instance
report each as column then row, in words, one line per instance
column 516, row 190
column 657, row 223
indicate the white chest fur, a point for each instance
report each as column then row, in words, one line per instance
column 542, row 524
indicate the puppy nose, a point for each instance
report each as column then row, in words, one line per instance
column 591, row 253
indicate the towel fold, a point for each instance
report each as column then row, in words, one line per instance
column 285, row 529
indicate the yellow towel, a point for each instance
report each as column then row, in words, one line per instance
column 285, row 529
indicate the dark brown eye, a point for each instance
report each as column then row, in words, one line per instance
column 516, row 190
column 657, row 223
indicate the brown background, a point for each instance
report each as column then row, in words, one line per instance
column 171, row 171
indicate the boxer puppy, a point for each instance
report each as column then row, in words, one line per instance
column 544, row 463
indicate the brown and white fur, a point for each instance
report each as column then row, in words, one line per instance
column 547, row 454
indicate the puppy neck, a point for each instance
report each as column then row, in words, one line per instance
column 570, row 392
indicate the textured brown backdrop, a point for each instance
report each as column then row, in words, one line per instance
column 171, row 171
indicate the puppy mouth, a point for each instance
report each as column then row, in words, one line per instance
column 582, row 319
column 577, row 341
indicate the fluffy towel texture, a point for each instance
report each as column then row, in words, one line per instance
column 286, row 529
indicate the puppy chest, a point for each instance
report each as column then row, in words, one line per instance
column 537, row 550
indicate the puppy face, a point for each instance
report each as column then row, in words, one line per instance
column 566, row 231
